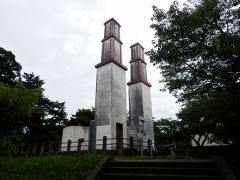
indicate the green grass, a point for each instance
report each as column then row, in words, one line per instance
column 46, row 167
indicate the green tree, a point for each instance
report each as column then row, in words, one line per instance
column 15, row 104
column 82, row 117
column 197, row 49
column 46, row 124
column 10, row 69
column 23, row 107
column 169, row 131
column 209, row 118
column 10, row 143
column 31, row 81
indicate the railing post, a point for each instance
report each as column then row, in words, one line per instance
column 22, row 149
column 34, row 150
column 151, row 149
column 69, row 145
column 104, row 143
column 172, row 151
column 80, row 141
column 131, row 143
column 59, row 146
column 50, row 147
column 92, row 136
column 28, row 148
column 141, row 146
column 42, row 148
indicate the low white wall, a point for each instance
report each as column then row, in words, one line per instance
column 207, row 143
column 74, row 133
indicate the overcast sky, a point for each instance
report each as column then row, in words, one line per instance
column 60, row 40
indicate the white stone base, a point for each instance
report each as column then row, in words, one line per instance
column 74, row 133
column 111, row 137
column 104, row 131
column 140, row 105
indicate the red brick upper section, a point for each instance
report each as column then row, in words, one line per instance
column 138, row 65
column 111, row 44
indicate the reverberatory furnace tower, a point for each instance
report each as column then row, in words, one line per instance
column 140, row 105
column 110, row 100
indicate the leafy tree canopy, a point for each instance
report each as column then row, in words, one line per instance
column 169, row 131
column 24, row 109
column 31, row 81
column 15, row 104
column 82, row 117
column 45, row 125
column 197, row 47
column 10, row 69
column 198, row 50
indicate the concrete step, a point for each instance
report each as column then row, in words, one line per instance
column 165, row 163
column 163, row 170
column 121, row 176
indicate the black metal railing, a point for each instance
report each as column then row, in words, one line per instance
column 79, row 145
column 125, row 146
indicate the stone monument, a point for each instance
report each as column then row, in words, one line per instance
column 110, row 99
column 140, row 105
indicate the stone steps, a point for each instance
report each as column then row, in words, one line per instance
column 121, row 176
column 162, row 169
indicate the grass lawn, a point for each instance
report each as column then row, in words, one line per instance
column 61, row 166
